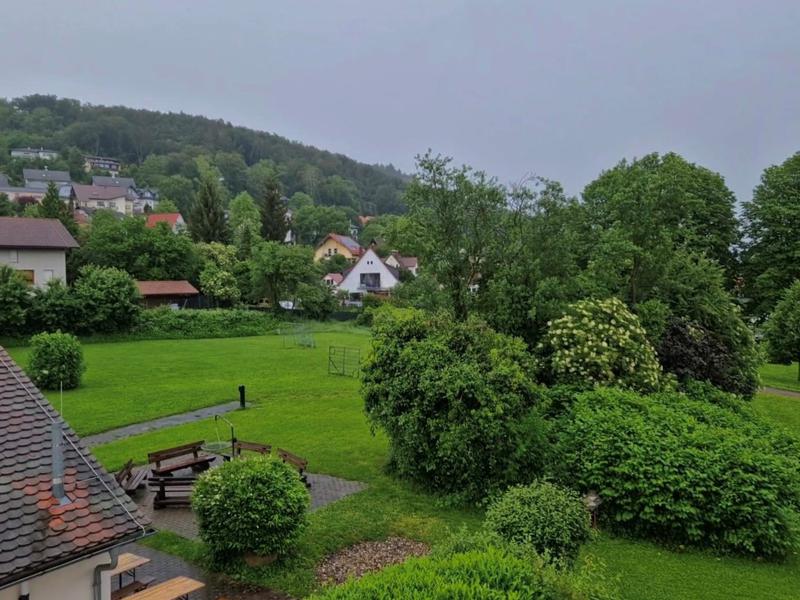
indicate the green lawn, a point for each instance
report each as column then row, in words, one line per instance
column 300, row 407
column 130, row 382
column 784, row 412
column 780, row 376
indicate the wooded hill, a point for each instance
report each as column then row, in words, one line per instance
column 154, row 146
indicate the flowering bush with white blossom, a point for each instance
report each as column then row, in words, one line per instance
column 600, row 342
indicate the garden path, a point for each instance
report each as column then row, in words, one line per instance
column 170, row 421
column 780, row 392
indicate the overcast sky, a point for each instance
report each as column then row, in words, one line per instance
column 560, row 88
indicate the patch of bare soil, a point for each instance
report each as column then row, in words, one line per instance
column 365, row 557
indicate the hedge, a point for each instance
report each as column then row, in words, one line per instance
column 165, row 323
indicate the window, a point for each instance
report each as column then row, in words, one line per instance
column 47, row 275
column 27, row 275
column 13, row 256
column 370, row 280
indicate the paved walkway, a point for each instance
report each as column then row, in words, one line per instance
column 179, row 419
column 780, row 392
column 164, row 566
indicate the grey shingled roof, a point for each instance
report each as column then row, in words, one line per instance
column 45, row 175
column 36, row 533
column 18, row 232
column 105, row 180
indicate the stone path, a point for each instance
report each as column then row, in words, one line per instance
column 324, row 490
column 170, row 421
column 780, row 392
column 164, row 566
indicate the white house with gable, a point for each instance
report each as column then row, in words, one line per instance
column 370, row 275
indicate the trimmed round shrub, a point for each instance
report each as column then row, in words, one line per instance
column 600, row 342
column 456, row 402
column 56, row 360
column 486, row 574
column 684, row 471
column 550, row 519
column 255, row 505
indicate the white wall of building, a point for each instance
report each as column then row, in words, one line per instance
column 73, row 582
column 369, row 263
column 45, row 264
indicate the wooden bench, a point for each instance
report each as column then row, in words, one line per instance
column 251, row 446
column 137, row 585
column 298, row 463
column 172, row 589
column 128, row 479
column 172, row 491
column 195, row 461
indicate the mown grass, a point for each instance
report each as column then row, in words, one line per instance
column 131, row 382
column 318, row 416
column 783, row 377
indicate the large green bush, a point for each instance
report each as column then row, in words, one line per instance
column 53, row 307
column 108, row 300
column 255, row 505
column 56, row 360
column 684, row 471
column 14, row 302
column 548, row 518
column 486, row 574
column 165, row 323
column 455, row 400
column 600, row 342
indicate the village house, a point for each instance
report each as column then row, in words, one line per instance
column 399, row 262
column 35, row 248
column 174, row 220
column 336, row 244
column 101, row 163
column 95, row 197
column 64, row 517
column 332, row 280
column 41, row 178
column 34, row 153
column 370, row 275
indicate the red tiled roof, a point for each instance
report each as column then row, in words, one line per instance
column 18, row 232
column 348, row 242
column 97, row 192
column 409, row 262
column 166, row 288
column 336, row 278
column 170, row 218
column 36, row 532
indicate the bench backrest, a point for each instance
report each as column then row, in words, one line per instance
column 193, row 449
column 124, row 473
column 252, row 447
column 288, row 457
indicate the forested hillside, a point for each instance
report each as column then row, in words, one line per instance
column 160, row 150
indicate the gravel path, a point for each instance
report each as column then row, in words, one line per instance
column 365, row 557
column 179, row 419
column 780, row 392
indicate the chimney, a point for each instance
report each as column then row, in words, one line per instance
column 58, row 465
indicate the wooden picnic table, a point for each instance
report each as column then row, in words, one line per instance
column 173, row 589
column 127, row 563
